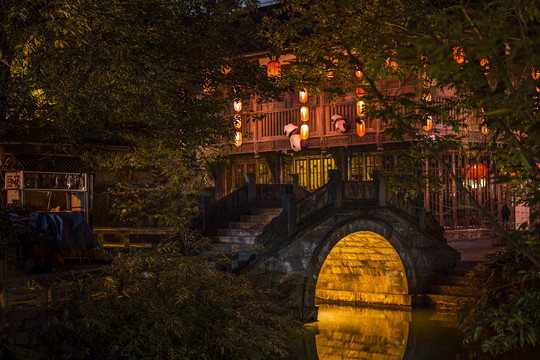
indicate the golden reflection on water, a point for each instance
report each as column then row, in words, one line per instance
column 347, row 332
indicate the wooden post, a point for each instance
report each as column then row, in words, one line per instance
column 252, row 187
column 379, row 179
column 203, row 208
column 289, row 205
column 336, row 186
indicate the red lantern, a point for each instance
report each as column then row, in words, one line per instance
column 304, row 113
column 361, row 128
column 428, row 124
column 535, row 74
column 237, row 105
column 238, row 139
column 303, row 95
column 360, row 92
column 477, row 171
column 360, row 107
column 459, row 55
column 484, row 63
column 237, row 121
column 485, row 129
column 358, row 73
column 304, row 131
column 273, row 68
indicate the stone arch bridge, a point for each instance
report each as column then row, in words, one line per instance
column 351, row 242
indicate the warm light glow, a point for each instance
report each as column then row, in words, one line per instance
column 237, row 105
column 392, row 64
column 477, row 171
column 360, row 91
column 360, row 107
column 484, row 129
column 485, row 64
column 358, row 73
column 535, row 74
column 427, row 97
column 238, row 138
column 237, row 121
column 304, row 132
column 350, row 332
column 459, row 55
column 361, row 128
column 303, row 95
column 273, row 68
column 428, row 125
column 375, row 276
column 304, row 113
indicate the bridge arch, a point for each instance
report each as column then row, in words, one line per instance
column 361, row 261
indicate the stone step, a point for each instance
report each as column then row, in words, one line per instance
column 246, row 225
column 261, row 219
column 228, row 248
column 243, row 240
column 459, row 271
column 452, row 290
column 474, row 243
column 238, row 232
column 451, row 280
column 450, row 303
column 266, row 211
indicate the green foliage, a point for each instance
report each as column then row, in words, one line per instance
column 420, row 37
column 159, row 304
column 130, row 85
column 507, row 316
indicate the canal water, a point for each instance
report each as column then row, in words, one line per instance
column 345, row 332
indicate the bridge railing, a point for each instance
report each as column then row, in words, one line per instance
column 337, row 193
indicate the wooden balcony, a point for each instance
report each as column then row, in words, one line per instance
column 267, row 135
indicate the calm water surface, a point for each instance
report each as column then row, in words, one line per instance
column 344, row 332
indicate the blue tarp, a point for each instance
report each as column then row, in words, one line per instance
column 63, row 231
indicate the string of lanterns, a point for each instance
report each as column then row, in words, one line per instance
column 237, row 122
column 304, row 114
column 360, row 111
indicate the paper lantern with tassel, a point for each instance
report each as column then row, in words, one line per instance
column 303, row 95
column 238, row 139
column 304, row 113
column 361, row 128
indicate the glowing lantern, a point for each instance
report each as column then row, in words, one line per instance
column 535, row 74
column 237, row 105
column 427, row 97
column 273, row 68
column 428, row 124
column 304, row 113
column 237, row 121
column 358, row 73
column 391, row 63
column 459, row 55
column 484, row 129
column 485, row 64
column 238, row 138
column 360, row 107
column 361, row 128
column 360, row 92
column 304, row 131
column 477, row 171
column 303, row 95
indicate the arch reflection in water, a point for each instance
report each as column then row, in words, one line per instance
column 346, row 332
